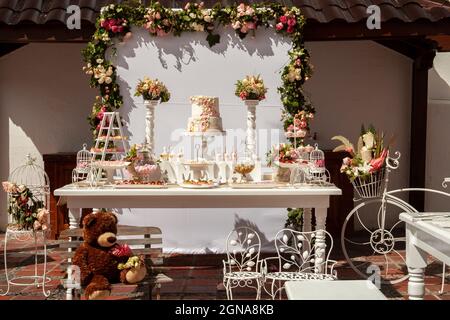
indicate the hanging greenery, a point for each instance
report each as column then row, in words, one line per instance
column 115, row 22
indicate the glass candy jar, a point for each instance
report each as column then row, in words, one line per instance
column 146, row 167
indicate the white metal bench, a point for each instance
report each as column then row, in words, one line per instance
column 145, row 241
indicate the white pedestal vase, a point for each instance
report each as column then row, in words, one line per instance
column 150, row 124
column 251, row 127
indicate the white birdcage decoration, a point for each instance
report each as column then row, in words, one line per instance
column 83, row 167
column 317, row 173
column 317, row 160
column 33, row 177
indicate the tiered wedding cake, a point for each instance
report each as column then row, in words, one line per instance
column 205, row 115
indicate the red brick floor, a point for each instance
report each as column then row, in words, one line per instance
column 194, row 277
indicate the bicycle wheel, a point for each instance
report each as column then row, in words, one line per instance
column 371, row 238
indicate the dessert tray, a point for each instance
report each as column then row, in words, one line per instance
column 130, row 184
column 193, row 184
column 257, row 185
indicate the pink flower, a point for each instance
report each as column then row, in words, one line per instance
column 320, row 163
column 114, row 29
column 347, row 161
column 279, row 26
column 121, row 250
column 378, row 162
column 292, row 22
column 158, row 16
column 104, row 24
column 120, row 29
column 283, row 19
column 303, row 124
column 244, row 29
column 101, row 113
column 243, row 95
column 250, row 25
column 290, row 29
column 298, row 62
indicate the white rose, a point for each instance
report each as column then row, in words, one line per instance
column 192, row 15
column 369, row 140
column 366, row 154
column 207, row 19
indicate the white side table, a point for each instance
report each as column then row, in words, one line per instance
column 333, row 290
column 37, row 280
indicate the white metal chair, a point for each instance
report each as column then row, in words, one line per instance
column 243, row 265
column 301, row 256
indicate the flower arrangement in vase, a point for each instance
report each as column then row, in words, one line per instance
column 152, row 90
column 251, row 88
column 28, row 212
column 368, row 158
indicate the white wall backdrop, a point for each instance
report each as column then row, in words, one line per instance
column 353, row 83
column 44, row 101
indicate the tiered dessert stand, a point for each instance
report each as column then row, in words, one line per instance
column 110, row 132
column 34, row 177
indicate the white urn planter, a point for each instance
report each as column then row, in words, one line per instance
column 150, row 123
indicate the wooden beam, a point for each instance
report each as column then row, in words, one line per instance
column 419, row 107
column 314, row 31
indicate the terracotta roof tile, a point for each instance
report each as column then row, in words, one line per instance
column 322, row 11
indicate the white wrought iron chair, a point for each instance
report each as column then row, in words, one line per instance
column 243, row 265
column 301, row 256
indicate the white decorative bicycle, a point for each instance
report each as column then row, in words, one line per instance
column 372, row 235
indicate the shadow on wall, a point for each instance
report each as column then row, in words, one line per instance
column 438, row 138
column 44, row 100
column 182, row 53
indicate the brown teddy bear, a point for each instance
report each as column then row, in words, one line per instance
column 101, row 260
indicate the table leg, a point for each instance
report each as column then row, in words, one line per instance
column 416, row 260
column 74, row 222
column 321, row 218
column 5, row 250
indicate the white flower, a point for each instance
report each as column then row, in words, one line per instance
column 365, row 168
column 192, row 15
column 286, row 265
column 207, row 19
column 369, row 140
column 99, row 61
column 366, row 154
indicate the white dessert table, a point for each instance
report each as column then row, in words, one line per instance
column 426, row 233
column 333, row 290
column 317, row 197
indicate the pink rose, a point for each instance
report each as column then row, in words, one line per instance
column 121, row 250
column 303, row 124
column 279, row 26
column 292, row 22
column 244, row 29
column 298, row 62
column 120, row 29
column 114, row 29
column 158, row 16
column 250, row 25
column 283, row 19
column 290, row 29
column 104, row 24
